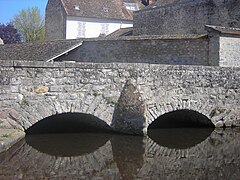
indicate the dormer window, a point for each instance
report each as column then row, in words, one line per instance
column 131, row 6
column 105, row 9
column 76, row 7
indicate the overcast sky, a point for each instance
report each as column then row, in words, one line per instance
column 9, row 8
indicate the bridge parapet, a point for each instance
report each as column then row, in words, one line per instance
column 31, row 91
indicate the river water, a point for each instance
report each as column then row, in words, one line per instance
column 164, row 154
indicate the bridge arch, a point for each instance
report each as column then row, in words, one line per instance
column 191, row 107
column 28, row 112
column 183, row 118
column 69, row 123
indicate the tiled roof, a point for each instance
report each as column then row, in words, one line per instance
column 166, row 2
column 163, row 37
column 107, row 9
column 41, row 51
column 121, row 32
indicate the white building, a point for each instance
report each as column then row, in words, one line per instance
column 1, row 41
column 71, row 19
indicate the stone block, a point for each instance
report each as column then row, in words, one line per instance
column 40, row 89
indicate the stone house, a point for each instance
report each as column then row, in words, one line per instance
column 185, row 16
column 71, row 19
column 211, row 46
column 219, row 47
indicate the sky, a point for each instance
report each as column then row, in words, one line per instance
column 9, row 8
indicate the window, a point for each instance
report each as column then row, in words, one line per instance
column 131, row 6
column 104, row 29
column 105, row 9
column 81, row 29
column 76, row 7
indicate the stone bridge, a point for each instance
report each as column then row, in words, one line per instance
column 129, row 98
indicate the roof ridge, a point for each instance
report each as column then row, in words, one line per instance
column 115, row 9
column 64, row 6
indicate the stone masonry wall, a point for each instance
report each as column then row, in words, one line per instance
column 156, row 50
column 214, row 47
column 229, row 51
column 31, row 91
column 224, row 50
column 55, row 20
column 188, row 17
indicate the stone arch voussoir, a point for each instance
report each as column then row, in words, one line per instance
column 32, row 113
column 156, row 110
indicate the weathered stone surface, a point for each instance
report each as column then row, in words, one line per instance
column 4, row 80
column 219, row 124
column 40, row 89
column 95, row 89
column 56, row 15
column 8, row 137
column 186, row 17
column 129, row 113
column 155, row 49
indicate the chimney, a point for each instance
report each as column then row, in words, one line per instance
column 151, row 2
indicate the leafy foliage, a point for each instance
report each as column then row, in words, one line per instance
column 9, row 34
column 30, row 24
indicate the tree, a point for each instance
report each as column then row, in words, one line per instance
column 30, row 24
column 9, row 34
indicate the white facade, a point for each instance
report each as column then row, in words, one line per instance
column 229, row 52
column 78, row 27
column 1, row 41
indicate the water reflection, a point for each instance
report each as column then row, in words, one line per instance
column 125, row 157
column 128, row 152
column 67, row 145
column 179, row 138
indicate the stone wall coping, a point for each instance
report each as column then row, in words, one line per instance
column 150, row 37
column 81, row 65
column 223, row 30
column 153, row 7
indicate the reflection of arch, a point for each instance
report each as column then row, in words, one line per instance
column 206, row 155
column 181, row 119
column 69, row 123
column 179, row 138
column 24, row 158
column 128, row 153
column 67, row 145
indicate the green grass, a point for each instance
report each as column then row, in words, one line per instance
column 110, row 100
column 6, row 136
